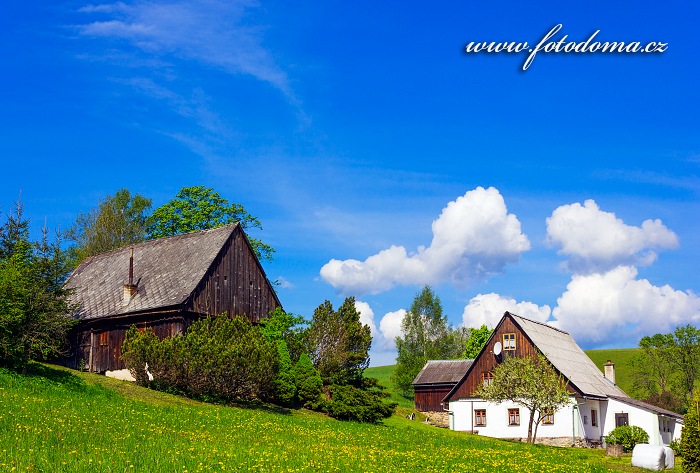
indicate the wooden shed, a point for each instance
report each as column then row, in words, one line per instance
column 165, row 284
column 435, row 381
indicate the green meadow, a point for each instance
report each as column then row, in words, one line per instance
column 57, row 420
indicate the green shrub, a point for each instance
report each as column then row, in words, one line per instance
column 628, row 436
column 285, row 388
column 361, row 405
column 308, row 383
column 218, row 359
column 675, row 445
column 690, row 437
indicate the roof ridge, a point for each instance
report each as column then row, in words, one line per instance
column 162, row 239
column 540, row 323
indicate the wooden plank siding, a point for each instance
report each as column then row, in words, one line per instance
column 235, row 284
column 487, row 361
column 107, row 340
column 429, row 398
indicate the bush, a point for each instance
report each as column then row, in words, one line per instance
column 690, row 437
column 361, row 405
column 308, row 383
column 628, row 436
column 218, row 359
column 285, row 388
column 675, row 445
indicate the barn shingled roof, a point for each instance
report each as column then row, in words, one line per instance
column 166, row 270
column 568, row 358
column 442, row 372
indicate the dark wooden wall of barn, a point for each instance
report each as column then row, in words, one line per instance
column 107, row 340
column 487, row 361
column 429, row 398
column 235, row 284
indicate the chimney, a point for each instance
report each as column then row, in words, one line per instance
column 610, row 371
column 130, row 289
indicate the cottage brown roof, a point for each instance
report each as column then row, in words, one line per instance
column 166, row 271
column 442, row 372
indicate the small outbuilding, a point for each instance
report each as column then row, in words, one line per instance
column 434, row 382
column 165, row 284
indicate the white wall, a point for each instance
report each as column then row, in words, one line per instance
column 497, row 420
column 652, row 423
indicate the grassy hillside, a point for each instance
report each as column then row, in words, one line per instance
column 58, row 420
column 622, row 357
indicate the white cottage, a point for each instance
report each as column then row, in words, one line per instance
column 596, row 405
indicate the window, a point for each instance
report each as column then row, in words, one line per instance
column 585, row 420
column 487, row 378
column 548, row 418
column 514, row 416
column 480, row 417
column 622, row 419
column 594, row 418
column 509, row 341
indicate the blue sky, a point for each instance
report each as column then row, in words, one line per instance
column 378, row 155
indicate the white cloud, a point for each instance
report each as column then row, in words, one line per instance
column 284, row 283
column 598, row 241
column 473, row 238
column 366, row 316
column 213, row 33
column 390, row 328
column 487, row 309
column 615, row 308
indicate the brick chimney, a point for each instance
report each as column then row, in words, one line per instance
column 130, row 289
column 610, row 371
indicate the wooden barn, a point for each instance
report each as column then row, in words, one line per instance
column 435, row 381
column 165, row 284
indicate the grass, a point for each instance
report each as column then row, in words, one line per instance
column 57, row 420
column 624, row 371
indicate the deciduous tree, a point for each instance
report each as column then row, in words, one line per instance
column 200, row 208
column 690, row 437
column 426, row 336
column 531, row 382
column 117, row 221
column 476, row 341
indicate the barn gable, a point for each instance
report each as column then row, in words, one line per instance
column 176, row 280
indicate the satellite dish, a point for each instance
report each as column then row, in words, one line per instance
column 497, row 348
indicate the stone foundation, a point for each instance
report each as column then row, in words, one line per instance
column 558, row 442
column 438, row 418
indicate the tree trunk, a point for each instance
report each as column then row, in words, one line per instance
column 529, row 427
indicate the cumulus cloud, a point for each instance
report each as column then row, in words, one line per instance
column 473, row 238
column 487, row 309
column 615, row 308
column 366, row 316
column 390, row 328
column 596, row 241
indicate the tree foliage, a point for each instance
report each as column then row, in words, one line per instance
column 358, row 404
column 280, row 325
column 531, row 382
column 309, row 384
column 426, row 336
column 34, row 306
column 667, row 367
column 690, row 437
column 117, row 221
column 476, row 341
column 339, row 343
column 628, row 436
column 218, row 359
column 200, row 208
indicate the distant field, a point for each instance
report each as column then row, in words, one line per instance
column 56, row 420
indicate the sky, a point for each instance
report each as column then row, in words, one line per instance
column 378, row 154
